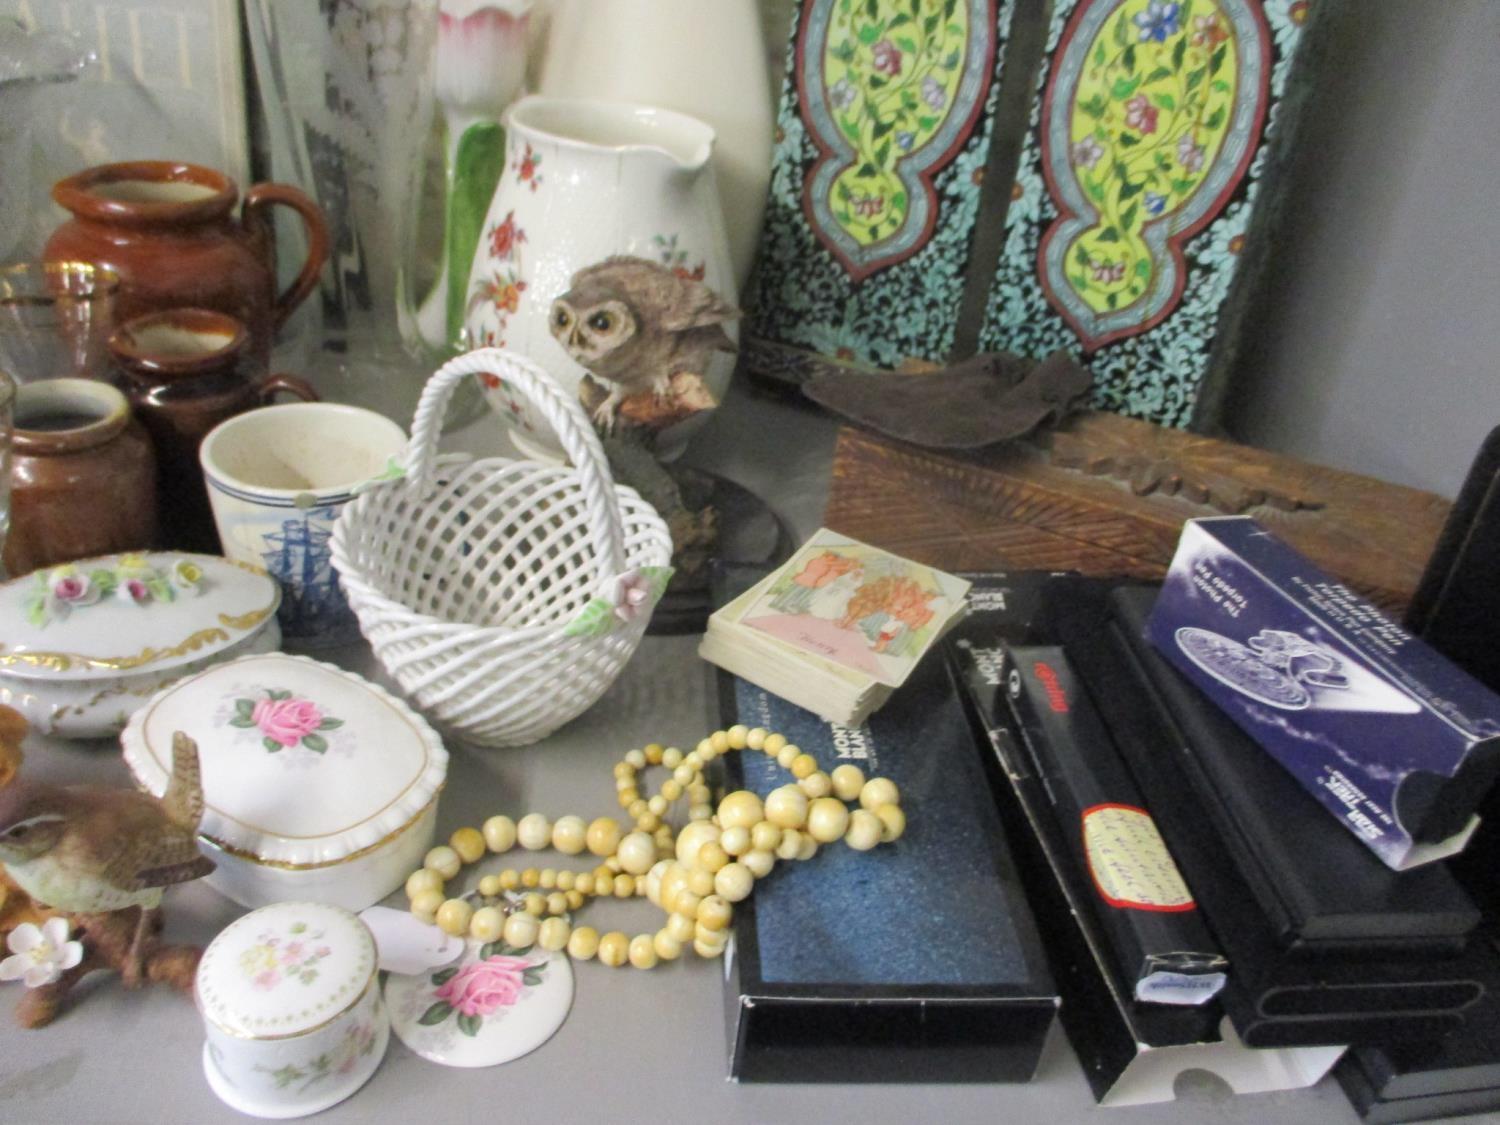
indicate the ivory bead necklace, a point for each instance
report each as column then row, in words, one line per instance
column 695, row 875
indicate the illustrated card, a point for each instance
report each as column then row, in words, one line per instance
column 857, row 606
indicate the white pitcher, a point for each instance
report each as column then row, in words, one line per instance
column 584, row 181
column 703, row 57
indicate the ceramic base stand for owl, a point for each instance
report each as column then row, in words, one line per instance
column 101, row 858
column 646, row 335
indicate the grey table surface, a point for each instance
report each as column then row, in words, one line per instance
column 636, row 1046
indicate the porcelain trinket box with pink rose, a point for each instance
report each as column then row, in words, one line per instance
column 317, row 784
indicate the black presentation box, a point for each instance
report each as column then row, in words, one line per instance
column 1310, row 966
column 1130, row 1052
column 1416, row 1079
column 917, row 961
column 1111, row 844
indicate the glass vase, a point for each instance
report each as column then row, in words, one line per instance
column 346, row 95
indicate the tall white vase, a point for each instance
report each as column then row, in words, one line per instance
column 701, row 57
column 584, row 181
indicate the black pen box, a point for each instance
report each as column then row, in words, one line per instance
column 917, row 961
column 1130, row 1053
column 1112, row 846
column 1368, row 979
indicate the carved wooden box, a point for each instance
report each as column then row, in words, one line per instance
column 1108, row 495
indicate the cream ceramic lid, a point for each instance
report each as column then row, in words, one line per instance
column 118, row 614
column 304, row 764
column 285, row 970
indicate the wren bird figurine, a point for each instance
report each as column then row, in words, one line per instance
column 98, row 854
column 633, row 324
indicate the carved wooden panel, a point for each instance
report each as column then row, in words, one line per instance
column 1110, row 497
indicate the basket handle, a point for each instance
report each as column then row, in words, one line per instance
column 562, row 413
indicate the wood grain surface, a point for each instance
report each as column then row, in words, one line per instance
column 1108, row 495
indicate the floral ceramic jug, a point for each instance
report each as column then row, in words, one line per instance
column 586, row 181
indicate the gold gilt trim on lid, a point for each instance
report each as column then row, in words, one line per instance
column 248, row 1038
column 287, row 865
column 63, row 661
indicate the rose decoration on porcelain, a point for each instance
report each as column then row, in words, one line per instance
column 133, row 579
column 481, row 988
column 69, row 587
column 624, row 599
column 284, row 721
column 40, row 954
column 187, row 577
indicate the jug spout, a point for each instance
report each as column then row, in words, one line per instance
column 618, row 127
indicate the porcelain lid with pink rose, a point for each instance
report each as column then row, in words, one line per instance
column 304, row 764
column 137, row 612
column 285, row 970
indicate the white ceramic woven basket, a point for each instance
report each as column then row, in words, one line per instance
column 476, row 581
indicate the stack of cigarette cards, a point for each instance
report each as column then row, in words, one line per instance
column 837, row 628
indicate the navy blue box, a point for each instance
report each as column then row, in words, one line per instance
column 918, row 961
column 1391, row 738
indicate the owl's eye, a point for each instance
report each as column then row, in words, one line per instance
column 562, row 317
column 602, row 321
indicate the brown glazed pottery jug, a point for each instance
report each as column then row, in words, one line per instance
column 169, row 231
column 82, row 476
column 185, row 371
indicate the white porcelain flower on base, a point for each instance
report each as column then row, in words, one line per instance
column 40, row 954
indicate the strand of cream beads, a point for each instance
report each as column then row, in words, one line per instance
column 695, row 875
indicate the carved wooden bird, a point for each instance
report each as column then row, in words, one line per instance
column 633, row 324
column 83, row 850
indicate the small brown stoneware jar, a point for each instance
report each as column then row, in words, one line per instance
column 169, row 231
column 82, row 476
column 185, row 371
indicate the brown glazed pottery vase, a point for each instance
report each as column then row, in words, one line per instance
column 82, row 476
column 169, row 231
column 185, row 371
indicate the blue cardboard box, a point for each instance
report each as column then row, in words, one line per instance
column 1394, row 740
column 918, row 961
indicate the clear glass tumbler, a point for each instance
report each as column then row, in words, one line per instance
column 55, row 320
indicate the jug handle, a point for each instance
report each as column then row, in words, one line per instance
column 282, row 383
column 262, row 196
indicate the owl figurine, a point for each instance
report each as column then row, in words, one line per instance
column 633, row 324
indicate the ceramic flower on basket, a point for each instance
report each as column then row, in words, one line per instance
column 622, row 600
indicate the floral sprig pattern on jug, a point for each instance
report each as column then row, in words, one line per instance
column 481, row 988
column 526, row 167
column 284, row 721
column 358, row 1042
column 58, row 591
column 676, row 259
column 276, row 958
column 502, row 290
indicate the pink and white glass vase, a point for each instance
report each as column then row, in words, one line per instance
column 480, row 70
